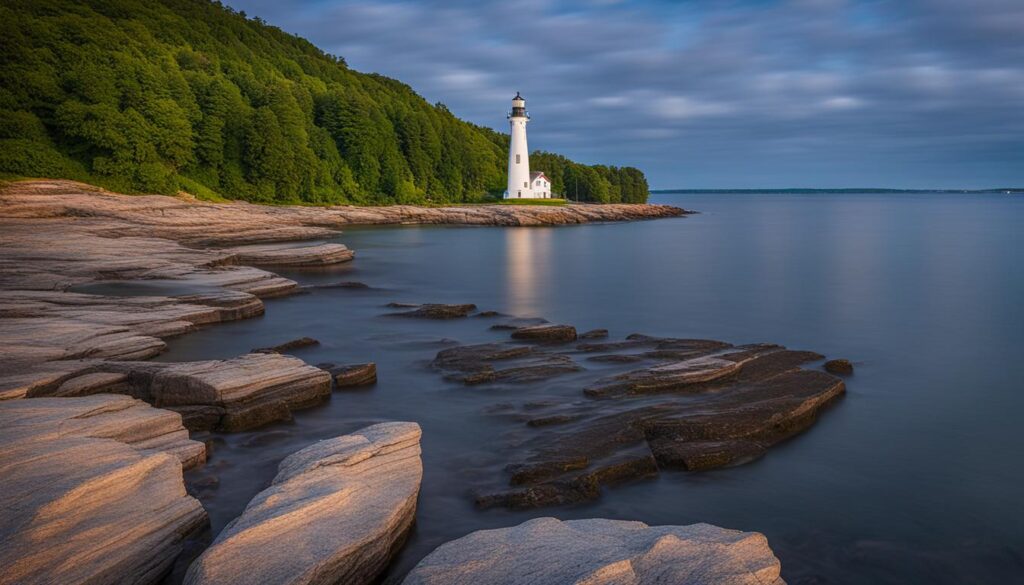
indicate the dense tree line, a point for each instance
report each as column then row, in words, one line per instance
column 162, row 95
column 601, row 184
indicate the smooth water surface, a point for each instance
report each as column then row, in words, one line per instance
column 914, row 477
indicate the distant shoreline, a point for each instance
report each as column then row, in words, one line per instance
column 1009, row 190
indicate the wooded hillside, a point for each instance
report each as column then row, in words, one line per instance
column 167, row 95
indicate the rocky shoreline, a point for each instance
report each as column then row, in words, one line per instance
column 94, row 438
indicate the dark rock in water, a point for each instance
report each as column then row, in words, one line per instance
column 719, row 405
column 840, row 366
column 470, row 358
column 550, row 420
column 202, row 486
column 554, row 493
column 262, row 439
column 619, row 358
column 594, row 334
column 342, row 284
column 488, row 314
column 629, row 343
column 288, row 345
column 524, row 473
column 474, row 364
column 355, row 375
column 700, row 455
column 518, row 323
column 396, row 305
column 552, row 333
column 436, row 311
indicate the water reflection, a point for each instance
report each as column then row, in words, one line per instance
column 528, row 260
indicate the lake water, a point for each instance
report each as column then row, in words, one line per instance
column 914, row 477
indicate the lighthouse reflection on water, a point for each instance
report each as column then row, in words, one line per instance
column 528, row 269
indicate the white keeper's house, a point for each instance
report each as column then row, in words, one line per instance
column 540, row 184
column 522, row 184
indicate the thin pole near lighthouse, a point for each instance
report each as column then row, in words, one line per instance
column 518, row 152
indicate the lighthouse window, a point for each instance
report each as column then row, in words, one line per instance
column 517, row 159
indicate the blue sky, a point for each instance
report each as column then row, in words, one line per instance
column 714, row 94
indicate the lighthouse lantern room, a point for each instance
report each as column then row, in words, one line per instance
column 521, row 184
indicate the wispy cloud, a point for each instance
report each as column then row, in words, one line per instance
column 784, row 92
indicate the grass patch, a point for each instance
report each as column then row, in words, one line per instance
column 551, row 202
column 200, row 191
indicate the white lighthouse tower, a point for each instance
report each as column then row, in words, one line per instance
column 518, row 154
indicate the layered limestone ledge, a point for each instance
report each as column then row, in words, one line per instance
column 229, row 395
column 92, row 490
column 601, row 552
column 337, row 512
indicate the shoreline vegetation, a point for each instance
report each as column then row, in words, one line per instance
column 191, row 95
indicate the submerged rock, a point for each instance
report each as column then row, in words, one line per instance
column 435, row 311
column 475, row 364
column 92, row 490
column 288, row 345
column 552, row 333
column 342, row 284
column 337, row 512
column 840, row 366
column 601, row 552
column 594, row 334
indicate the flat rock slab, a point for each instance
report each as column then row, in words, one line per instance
column 601, row 552
column 92, row 490
column 337, row 512
column 291, row 256
column 231, row 395
column 699, row 404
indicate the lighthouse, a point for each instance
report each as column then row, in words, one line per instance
column 518, row 154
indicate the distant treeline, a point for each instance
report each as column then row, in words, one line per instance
column 162, row 95
column 826, row 191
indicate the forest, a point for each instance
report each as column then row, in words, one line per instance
column 162, row 96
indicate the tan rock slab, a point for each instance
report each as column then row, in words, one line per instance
column 601, row 552
column 337, row 512
column 92, row 490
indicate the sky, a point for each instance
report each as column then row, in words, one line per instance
column 713, row 94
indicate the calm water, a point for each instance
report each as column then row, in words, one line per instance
column 914, row 477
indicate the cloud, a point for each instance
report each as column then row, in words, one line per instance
column 779, row 92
